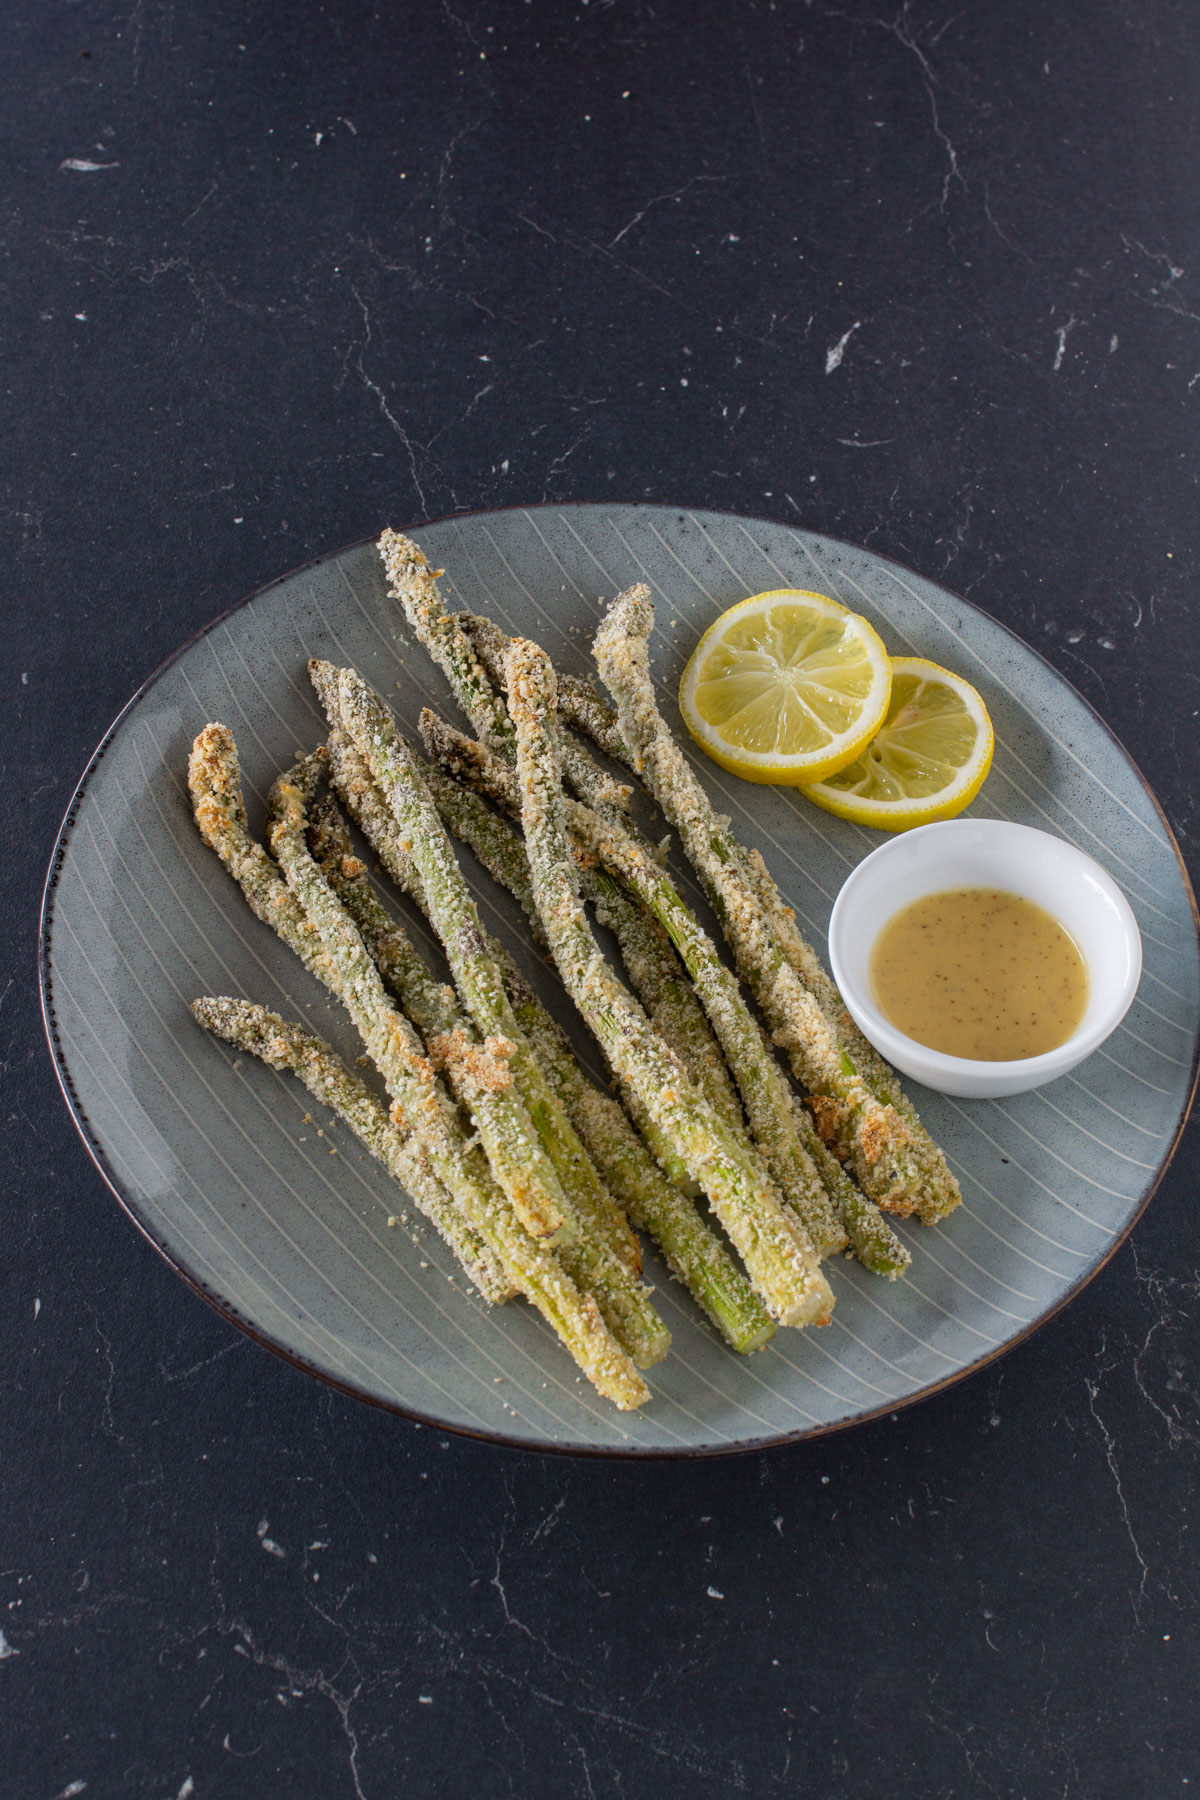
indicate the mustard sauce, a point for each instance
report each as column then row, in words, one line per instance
column 980, row 973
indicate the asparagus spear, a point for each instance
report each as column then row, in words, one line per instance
column 878, row 1141
column 581, row 706
column 288, row 1046
column 477, row 1071
column 650, row 962
column 582, row 773
column 763, row 1086
column 693, row 1251
column 603, row 1256
column 215, row 787
column 493, row 1232
column 774, row 1246
column 413, row 583
column 654, row 1205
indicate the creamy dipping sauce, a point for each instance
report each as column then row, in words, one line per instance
column 980, row 973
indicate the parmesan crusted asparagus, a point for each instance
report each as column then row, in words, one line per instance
column 413, row 583
column 889, row 1154
column 774, row 1246
column 477, row 1072
column 782, row 1129
column 581, row 706
column 693, row 1251
column 603, row 1255
column 288, row 1046
column 650, row 962
column 690, row 1247
column 221, row 817
column 469, row 649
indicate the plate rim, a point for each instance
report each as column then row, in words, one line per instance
column 633, row 1453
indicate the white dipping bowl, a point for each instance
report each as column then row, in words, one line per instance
column 987, row 853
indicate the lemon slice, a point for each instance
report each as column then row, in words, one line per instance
column 928, row 760
column 786, row 687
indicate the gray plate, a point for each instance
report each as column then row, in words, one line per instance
column 286, row 1231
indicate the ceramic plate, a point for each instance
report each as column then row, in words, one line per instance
column 285, row 1230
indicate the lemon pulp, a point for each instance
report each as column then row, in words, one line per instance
column 786, row 687
column 927, row 761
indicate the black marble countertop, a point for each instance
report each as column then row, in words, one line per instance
column 920, row 275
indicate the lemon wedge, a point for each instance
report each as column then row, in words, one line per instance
column 786, row 687
column 928, row 760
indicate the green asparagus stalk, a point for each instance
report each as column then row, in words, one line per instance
column 580, row 706
column 521, row 1265
column 413, row 583
column 876, row 1139
column 762, row 1084
column 692, row 1250
column 773, row 1245
column 603, row 1257
column 215, row 786
column 288, row 1046
column 654, row 1204
column 477, row 1071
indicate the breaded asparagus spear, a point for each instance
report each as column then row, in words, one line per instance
column 477, row 1072
column 288, row 1046
column 215, row 786
column 603, row 1256
column 413, row 583
column 775, row 1122
column 878, row 1141
column 650, row 962
column 692, row 1250
column 521, row 1265
column 582, row 774
column 470, row 649
column 581, row 706
column 773, row 1245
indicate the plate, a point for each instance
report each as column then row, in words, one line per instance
column 285, row 1230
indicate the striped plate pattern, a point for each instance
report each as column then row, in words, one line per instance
column 282, row 1220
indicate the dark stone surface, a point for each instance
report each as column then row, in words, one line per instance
column 926, row 278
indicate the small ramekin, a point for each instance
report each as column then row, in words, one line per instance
column 987, row 853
